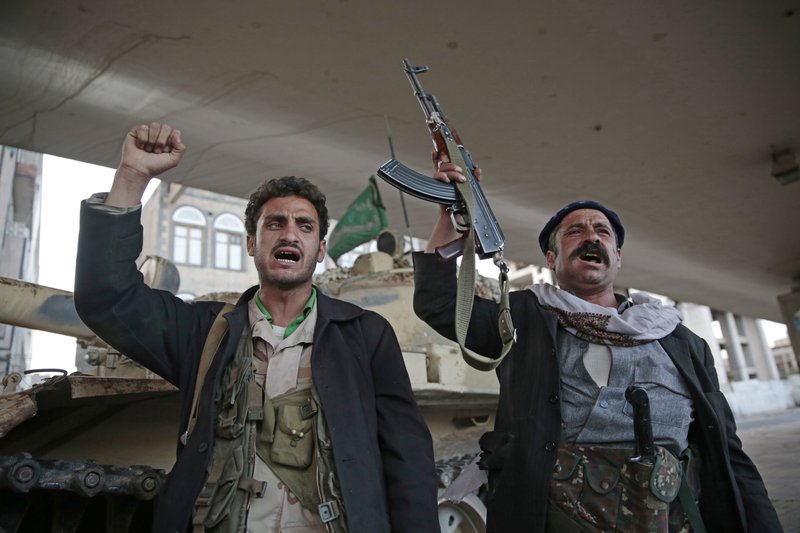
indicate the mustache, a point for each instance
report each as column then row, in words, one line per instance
column 591, row 248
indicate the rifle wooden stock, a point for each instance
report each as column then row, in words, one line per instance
column 452, row 249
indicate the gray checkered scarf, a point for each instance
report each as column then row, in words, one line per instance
column 642, row 319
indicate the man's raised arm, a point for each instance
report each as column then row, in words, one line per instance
column 148, row 150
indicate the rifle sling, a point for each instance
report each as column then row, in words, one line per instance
column 466, row 285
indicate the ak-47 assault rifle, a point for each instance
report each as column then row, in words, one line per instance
column 470, row 213
column 489, row 238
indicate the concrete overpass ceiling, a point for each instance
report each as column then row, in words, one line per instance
column 667, row 112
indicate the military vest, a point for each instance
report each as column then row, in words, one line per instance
column 288, row 433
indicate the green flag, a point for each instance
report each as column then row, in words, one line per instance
column 362, row 222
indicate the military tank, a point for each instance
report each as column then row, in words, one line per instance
column 457, row 401
column 86, row 451
column 89, row 451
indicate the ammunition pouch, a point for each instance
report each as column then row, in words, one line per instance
column 287, row 441
column 293, row 443
column 600, row 489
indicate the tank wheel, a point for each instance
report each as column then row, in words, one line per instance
column 466, row 516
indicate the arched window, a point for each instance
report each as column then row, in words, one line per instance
column 187, row 231
column 229, row 237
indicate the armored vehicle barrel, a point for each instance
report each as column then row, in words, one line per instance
column 33, row 306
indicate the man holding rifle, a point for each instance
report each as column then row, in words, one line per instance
column 563, row 455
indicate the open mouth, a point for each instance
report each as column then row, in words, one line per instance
column 287, row 256
column 591, row 257
column 591, row 253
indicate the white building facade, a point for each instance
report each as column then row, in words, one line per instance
column 20, row 208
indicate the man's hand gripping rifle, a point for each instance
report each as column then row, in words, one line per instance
column 466, row 202
column 470, row 213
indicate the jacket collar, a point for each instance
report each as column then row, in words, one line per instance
column 246, row 296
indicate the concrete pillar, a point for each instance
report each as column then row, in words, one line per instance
column 734, row 345
column 790, row 309
column 699, row 319
column 769, row 358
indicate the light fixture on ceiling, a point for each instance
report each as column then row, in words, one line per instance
column 784, row 166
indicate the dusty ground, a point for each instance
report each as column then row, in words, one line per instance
column 773, row 442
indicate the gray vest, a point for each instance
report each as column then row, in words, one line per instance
column 600, row 415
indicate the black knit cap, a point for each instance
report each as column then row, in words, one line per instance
column 553, row 223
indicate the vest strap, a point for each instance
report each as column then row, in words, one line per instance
column 255, row 396
column 218, row 330
column 202, row 504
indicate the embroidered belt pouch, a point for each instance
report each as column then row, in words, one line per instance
column 600, row 489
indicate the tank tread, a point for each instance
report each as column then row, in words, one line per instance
column 72, row 493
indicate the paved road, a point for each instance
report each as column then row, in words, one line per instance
column 773, row 442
